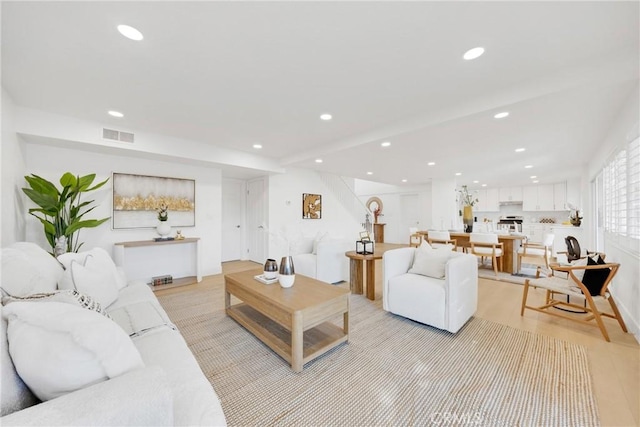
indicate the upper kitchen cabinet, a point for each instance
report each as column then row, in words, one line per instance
column 560, row 197
column 538, row 198
column 488, row 200
column 510, row 194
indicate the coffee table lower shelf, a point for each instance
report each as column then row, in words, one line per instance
column 316, row 340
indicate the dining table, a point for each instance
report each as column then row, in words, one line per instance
column 511, row 243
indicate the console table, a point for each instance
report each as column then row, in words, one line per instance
column 144, row 259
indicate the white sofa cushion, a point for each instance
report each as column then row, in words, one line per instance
column 23, row 274
column 92, row 273
column 15, row 393
column 58, row 348
column 413, row 296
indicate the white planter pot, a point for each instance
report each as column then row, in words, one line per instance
column 163, row 229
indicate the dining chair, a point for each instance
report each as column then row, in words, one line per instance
column 438, row 238
column 487, row 245
column 537, row 250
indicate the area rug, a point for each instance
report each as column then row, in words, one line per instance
column 392, row 372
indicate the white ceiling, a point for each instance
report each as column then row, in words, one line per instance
column 237, row 73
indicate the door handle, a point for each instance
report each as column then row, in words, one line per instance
column 260, row 226
column 237, row 226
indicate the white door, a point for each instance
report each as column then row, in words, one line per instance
column 409, row 215
column 256, row 220
column 233, row 192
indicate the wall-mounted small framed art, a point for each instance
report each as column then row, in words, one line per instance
column 137, row 198
column 311, row 206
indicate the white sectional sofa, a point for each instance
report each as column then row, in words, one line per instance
column 145, row 373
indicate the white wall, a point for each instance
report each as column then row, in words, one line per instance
column 626, row 285
column 51, row 162
column 392, row 215
column 13, row 170
column 285, row 211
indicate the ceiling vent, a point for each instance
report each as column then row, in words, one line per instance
column 116, row 135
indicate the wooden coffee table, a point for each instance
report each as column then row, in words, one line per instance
column 293, row 322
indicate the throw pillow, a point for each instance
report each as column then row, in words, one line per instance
column 58, row 348
column 579, row 273
column 93, row 279
column 69, row 296
column 22, row 275
column 101, row 258
column 594, row 278
column 431, row 262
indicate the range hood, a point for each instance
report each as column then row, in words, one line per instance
column 509, row 203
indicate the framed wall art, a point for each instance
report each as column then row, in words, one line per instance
column 311, row 206
column 137, row 198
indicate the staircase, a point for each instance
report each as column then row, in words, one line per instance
column 343, row 191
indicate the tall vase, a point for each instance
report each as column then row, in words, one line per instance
column 287, row 274
column 467, row 219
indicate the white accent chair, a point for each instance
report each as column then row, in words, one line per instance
column 323, row 260
column 442, row 303
column 437, row 238
column 537, row 250
column 487, row 245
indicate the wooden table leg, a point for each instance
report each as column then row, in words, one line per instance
column 371, row 279
column 297, row 341
column 508, row 255
column 355, row 276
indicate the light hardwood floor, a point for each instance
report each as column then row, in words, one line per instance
column 615, row 365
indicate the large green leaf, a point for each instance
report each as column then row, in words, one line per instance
column 85, row 181
column 89, row 223
column 44, row 200
column 41, row 185
column 68, row 180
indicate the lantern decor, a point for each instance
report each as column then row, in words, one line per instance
column 364, row 247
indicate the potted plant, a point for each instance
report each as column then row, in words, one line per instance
column 61, row 212
column 163, row 228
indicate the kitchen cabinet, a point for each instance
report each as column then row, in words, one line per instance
column 510, row 194
column 537, row 198
column 535, row 231
column 488, row 200
column 560, row 196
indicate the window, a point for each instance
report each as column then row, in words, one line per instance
column 618, row 192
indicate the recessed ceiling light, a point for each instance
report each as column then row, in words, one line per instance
column 386, row 144
column 130, row 32
column 473, row 53
column 431, row 163
column 404, row 180
column 535, row 181
column 369, row 173
column 484, row 185
column 501, row 115
column 458, row 173
column 318, row 160
column 326, row 116
column 476, row 181
column 257, row 146
column 528, row 166
column 115, row 114
column 520, row 150
column 533, row 177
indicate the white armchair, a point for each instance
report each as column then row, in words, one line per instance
column 443, row 303
column 326, row 263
